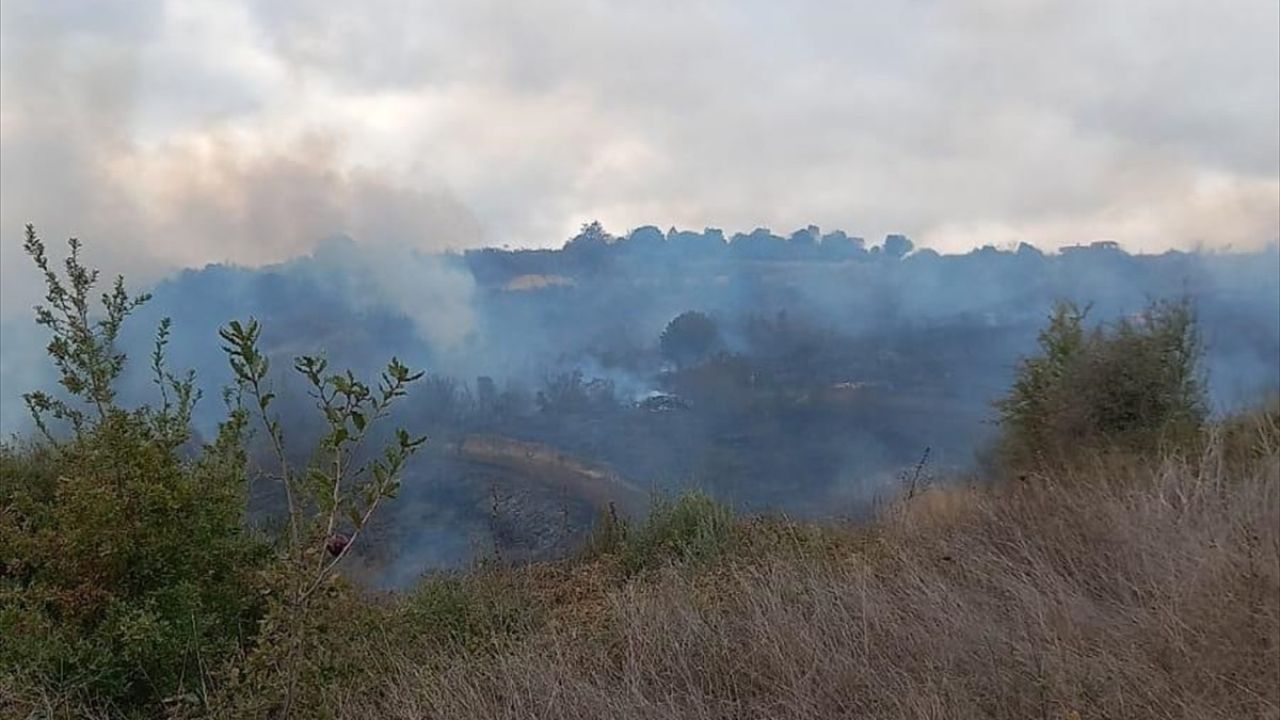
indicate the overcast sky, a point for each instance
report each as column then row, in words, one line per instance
column 171, row 134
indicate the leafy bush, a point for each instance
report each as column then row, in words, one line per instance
column 692, row 528
column 128, row 578
column 1132, row 385
column 329, row 503
column 126, row 570
column 471, row 610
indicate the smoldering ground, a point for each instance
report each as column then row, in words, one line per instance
column 833, row 365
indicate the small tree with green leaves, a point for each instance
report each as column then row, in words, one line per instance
column 125, row 571
column 331, row 501
column 1026, row 411
column 83, row 349
column 1134, row 384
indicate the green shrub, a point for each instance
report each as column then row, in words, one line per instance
column 1250, row 434
column 128, row 580
column 328, row 505
column 469, row 611
column 608, row 536
column 125, row 570
column 1133, row 385
column 692, row 528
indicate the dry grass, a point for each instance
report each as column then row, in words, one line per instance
column 1118, row 590
column 1122, row 588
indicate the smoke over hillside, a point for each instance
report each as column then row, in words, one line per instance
column 820, row 367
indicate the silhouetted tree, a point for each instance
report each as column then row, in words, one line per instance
column 689, row 337
column 646, row 240
column 589, row 250
column 897, row 246
column 759, row 244
column 840, row 246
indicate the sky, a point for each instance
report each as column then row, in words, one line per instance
column 175, row 134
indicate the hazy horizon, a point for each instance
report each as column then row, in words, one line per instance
column 169, row 135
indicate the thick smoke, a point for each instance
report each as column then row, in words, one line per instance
column 78, row 159
column 832, row 365
column 87, row 152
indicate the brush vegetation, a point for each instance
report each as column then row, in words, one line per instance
column 1119, row 558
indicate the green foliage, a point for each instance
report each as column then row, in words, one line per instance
column 297, row 656
column 1133, row 385
column 471, row 611
column 129, row 584
column 128, row 580
column 329, row 503
column 609, row 534
column 344, row 642
column 125, row 570
column 341, row 487
column 1250, row 435
column 690, row 529
column 82, row 348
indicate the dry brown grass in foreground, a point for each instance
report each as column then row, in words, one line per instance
column 1120, row 591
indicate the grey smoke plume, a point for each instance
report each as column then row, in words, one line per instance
column 835, row 364
column 205, row 149
column 79, row 87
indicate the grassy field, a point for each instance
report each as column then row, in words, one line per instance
column 1118, row 588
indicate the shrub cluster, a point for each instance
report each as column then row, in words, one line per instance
column 129, row 581
column 126, row 571
column 691, row 528
column 1134, row 385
